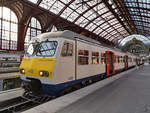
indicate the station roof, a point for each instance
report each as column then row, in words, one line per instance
column 139, row 11
column 96, row 16
column 109, row 19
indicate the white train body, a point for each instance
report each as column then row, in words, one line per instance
column 76, row 59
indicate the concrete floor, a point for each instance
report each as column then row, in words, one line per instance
column 129, row 94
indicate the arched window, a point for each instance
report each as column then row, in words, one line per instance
column 8, row 29
column 33, row 30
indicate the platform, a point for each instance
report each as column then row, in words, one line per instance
column 8, row 69
column 127, row 92
column 9, row 94
column 9, row 75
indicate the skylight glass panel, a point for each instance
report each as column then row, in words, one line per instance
column 113, row 23
column 103, row 33
column 92, row 27
column 78, row 7
column 99, row 21
column 73, row 16
column 97, row 31
column 106, row 27
column 84, row 22
column 103, row 25
column 114, row 32
column 123, row 32
column 116, row 25
column 66, row 1
column 110, row 17
column 46, row 4
column 57, row 7
column 102, row 5
column 120, row 29
column 106, row 15
column 108, row 36
column 112, row 38
column 66, row 12
column 103, row 10
column 110, row 29
column 73, row 5
column 91, row 17
column 91, row 3
column 80, row 20
column 87, row 14
column 112, row 20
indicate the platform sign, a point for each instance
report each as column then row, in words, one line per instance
column 1, row 85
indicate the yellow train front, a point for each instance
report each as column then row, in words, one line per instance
column 40, row 73
column 56, row 61
column 37, row 66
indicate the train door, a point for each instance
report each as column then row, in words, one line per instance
column 126, row 62
column 66, row 62
column 109, row 63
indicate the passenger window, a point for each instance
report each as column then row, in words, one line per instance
column 124, row 59
column 67, row 49
column 102, row 58
column 83, row 57
column 114, row 58
column 118, row 59
column 121, row 59
column 95, row 58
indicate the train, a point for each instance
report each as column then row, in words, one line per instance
column 56, row 61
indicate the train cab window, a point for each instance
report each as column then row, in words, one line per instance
column 95, row 58
column 47, row 48
column 83, row 57
column 67, row 49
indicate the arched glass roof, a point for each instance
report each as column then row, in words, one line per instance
column 140, row 13
column 110, row 19
column 144, row 39
column 92, row 15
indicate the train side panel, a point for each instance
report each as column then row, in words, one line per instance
column 90, row 69
column 65, row 65
column 119, row 64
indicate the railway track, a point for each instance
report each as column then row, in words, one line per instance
column 22, row 103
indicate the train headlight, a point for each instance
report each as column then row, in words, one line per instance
column 22, row 71
column 44, row 73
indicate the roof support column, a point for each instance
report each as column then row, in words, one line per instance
column 20, row 43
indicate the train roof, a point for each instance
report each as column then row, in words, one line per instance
column 71, row 35
column 64, row 34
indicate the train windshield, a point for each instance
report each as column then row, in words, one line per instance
column 47, row 48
